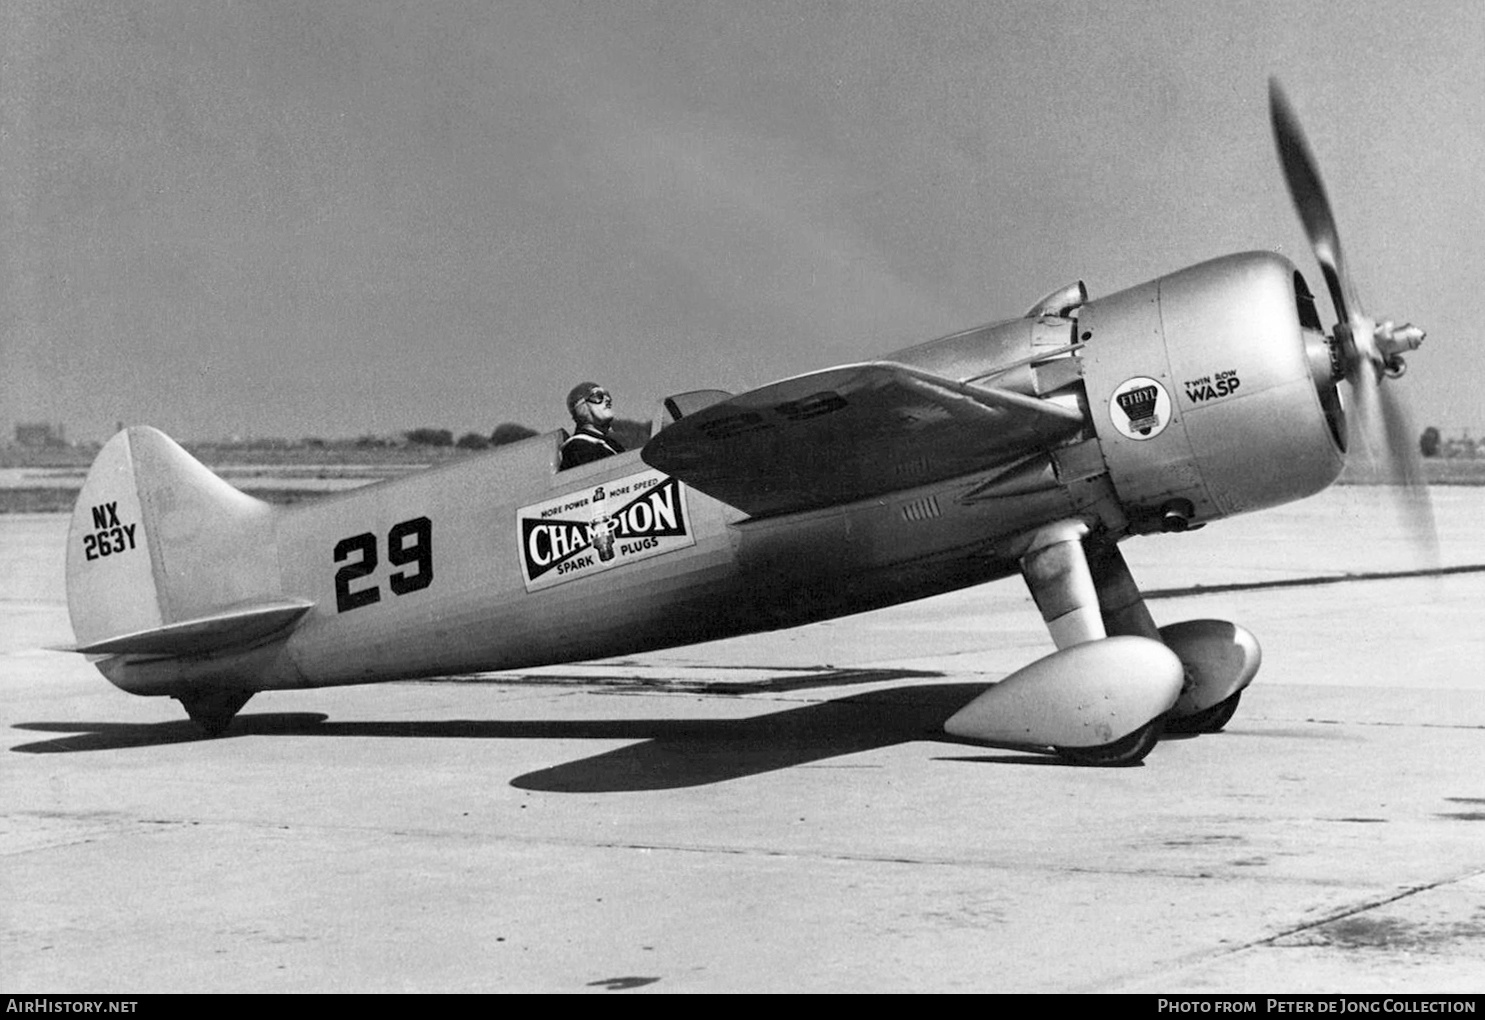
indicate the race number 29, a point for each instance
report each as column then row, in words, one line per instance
column 409, row 545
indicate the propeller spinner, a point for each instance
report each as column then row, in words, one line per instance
column 1369, row 353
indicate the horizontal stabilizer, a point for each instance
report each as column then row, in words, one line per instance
column 850, row 433
column 204, row 634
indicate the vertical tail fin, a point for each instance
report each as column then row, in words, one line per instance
column 163, row 557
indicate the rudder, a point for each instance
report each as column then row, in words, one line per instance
column 158, row 541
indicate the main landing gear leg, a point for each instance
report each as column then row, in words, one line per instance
column 1218, row 658
column 1056, row 570
column 1097, row 700
column 1124, row 610
column 1070, row 592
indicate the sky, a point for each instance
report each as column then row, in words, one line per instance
column 344, row 218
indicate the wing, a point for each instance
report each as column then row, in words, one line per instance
column 850, row 433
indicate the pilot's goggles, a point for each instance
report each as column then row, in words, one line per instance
column 599, row 397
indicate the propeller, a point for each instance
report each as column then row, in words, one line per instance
column 1368, row 353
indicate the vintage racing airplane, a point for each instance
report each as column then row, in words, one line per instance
column 1031, row 446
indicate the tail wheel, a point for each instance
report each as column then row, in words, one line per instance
column 213, row 711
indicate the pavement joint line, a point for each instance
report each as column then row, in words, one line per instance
column 1362, row 908
column 1203, row 956
column 1316, row 579
column 128, row 827
column 945, row 862
column 1394, row 724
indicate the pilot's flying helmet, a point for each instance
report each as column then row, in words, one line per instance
column 582, row 393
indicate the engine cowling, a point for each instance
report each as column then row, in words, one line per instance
column 1211, row 392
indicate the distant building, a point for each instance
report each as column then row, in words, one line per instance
column 1463, row 446
column 39, row 435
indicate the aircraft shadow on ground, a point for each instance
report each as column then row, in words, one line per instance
column 666, row 754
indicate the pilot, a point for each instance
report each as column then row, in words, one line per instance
column 592, row 408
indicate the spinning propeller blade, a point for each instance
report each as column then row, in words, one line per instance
column 1370, row 353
